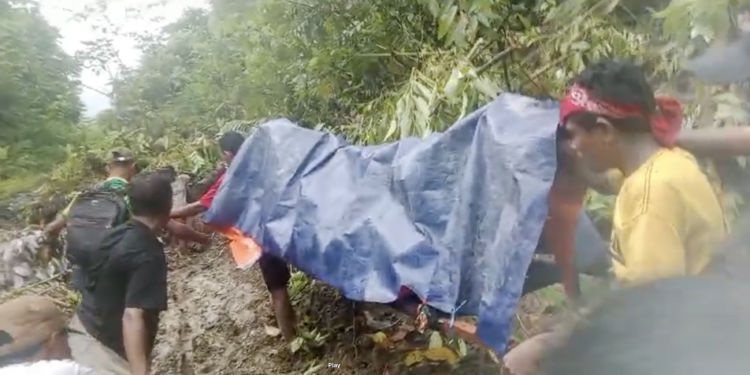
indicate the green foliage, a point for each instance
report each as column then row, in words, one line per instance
column 371, row 71
column 39, row 102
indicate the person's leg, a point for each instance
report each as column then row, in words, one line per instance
column 89, row 352
column 540, row 275
column 592, row 252
column 276, row 276
column 524, row 358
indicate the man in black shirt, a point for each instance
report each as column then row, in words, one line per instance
column 128, row 287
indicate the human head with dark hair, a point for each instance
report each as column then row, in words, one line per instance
column 679, row 326
column 230, row 143
column 151, row 199
column 168, row 172
column 122, row 163
column 612, row 118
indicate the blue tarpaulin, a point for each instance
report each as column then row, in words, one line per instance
column 455, row 217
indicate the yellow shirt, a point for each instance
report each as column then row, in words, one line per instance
column 667, row 219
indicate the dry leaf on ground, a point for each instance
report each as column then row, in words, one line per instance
column 272, row 331
column 441, row 354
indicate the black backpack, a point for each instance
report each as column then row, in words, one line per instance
column 92, row 214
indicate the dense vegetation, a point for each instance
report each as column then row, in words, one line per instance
column 39, row 102
column 370, row 70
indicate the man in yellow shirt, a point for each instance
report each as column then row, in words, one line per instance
column 668, row 218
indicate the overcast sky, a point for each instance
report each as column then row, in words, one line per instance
column 61, row 15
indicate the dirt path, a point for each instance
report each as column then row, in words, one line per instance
column 217, row 318
column 215, row 322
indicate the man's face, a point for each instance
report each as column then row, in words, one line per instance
column 227, row 156
column 593, row 147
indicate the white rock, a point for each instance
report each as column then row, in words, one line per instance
column 23, row 270
column 20, row 264
column 18, row 281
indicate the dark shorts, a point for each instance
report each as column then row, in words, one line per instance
column 275, row 272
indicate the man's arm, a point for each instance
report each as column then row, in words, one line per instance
column 715, row 142
column 146, row 293
column 135, row 340
column 187, row 210
column 184, row 232
column 53, row 229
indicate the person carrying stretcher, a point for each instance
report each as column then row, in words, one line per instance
column 275, row 271
column 668, row 219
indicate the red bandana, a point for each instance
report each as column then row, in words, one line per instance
column 664, row 125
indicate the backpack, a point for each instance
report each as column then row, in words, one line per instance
column 92, row 214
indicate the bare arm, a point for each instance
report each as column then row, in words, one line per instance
column 187, row 210
column 53, row 229
column 715, row 142
column 135, row 341
column 185, row 232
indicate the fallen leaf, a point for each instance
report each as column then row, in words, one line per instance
column 313, row 369
column 296, row 344
column 272, row 331
column 379, row 337
column 413, row 358
column 441, row 354
column 435, row 340
column 462, row 350
column 494, row 357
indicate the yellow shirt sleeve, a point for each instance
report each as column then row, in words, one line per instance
column 651, row 248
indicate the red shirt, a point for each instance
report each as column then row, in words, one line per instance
column 208, row 197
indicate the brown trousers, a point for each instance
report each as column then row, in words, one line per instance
column 91, row 353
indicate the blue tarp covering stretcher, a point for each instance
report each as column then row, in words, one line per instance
column 455, row 217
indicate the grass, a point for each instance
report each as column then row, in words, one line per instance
column 590, row 288
column 18, row 184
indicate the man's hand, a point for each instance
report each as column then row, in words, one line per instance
column 184, row 232
column 52, row 229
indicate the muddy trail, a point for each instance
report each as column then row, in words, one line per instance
column 215, row 321
column 220, row 321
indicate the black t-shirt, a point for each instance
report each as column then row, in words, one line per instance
column 132, row 274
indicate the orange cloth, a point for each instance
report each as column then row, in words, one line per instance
column 245, row 251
